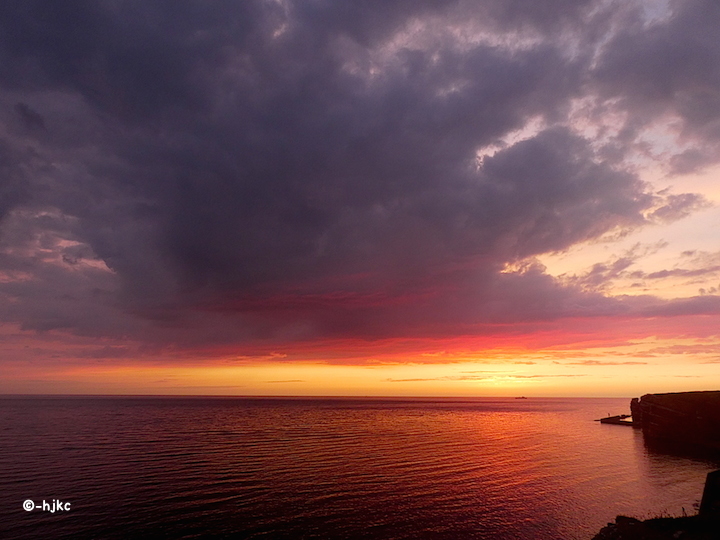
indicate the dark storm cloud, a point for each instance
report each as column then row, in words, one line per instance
column 31, row 118
column 127, row 58
column 666, row 71
column 290, row 170
column 14, row 189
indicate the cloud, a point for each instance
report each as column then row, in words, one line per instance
column 667, row 72
column 187, row 175
column 601, row 275
column 696, row 305
column 695, row 349
column 678, row 206
column 696, row 267
column 602, row 363
column 31, row 119
column 498, row 375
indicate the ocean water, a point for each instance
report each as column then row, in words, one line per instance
column 160, row 467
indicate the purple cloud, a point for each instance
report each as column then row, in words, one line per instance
column 194, row 173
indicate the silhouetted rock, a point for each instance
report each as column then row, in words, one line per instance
column 684, row 418
column 703, row 526
column 683, row 528
column 710, row 505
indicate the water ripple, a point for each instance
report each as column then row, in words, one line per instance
column 264, row 468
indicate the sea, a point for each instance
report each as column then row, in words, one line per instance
column 292, row 468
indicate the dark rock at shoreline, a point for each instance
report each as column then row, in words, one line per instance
column 667, row 528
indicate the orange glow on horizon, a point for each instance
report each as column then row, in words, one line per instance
column 559, row 364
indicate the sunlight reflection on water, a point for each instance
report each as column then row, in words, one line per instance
column 311, row 468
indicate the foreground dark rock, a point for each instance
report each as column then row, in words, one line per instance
column 684, row 528
column 690, row 419
column 704, row 526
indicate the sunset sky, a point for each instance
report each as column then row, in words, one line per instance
column 386, row 197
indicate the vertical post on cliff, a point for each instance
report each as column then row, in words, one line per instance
column 710, row 504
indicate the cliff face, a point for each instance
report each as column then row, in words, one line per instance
column 688, row 418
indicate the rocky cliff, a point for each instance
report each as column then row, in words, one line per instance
column 688, row 418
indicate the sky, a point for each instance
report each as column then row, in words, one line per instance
column 333, row 197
